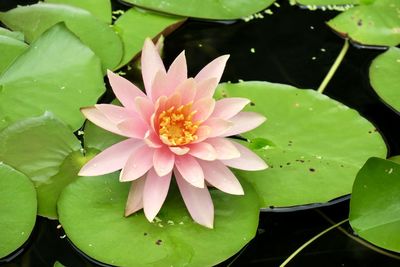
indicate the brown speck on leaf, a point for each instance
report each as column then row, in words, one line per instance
column 252, row 104
column 359, row 23
column 312, row 170
column 287, row 163
column 144, row 234
column 158, row 242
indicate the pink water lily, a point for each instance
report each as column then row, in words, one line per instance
column 177, row 128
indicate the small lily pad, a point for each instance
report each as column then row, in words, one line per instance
column 384, row 76
column 374, row 24
column 10, row 49
column 99, row 36
column 317, row 143
column 135, row 25
column 207, row 9
column 38, row 147
column 92, row 214
column 17, row 208
column 15, row 35
column 375, row 203
column 99, row 8
column 68, row 77
column 98, row 138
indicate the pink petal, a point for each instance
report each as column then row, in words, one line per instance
column 124, row 90
column 145, row 108
column 111, row 159
column 204, row 108
column 98, row 118
column 158, row 86
column 203, row 132
column 187, row 90
column 219, row 176
column 163, row 161
column 224, row 148
column 174, row 100
column 154, row 193
column 152, row 139
column 248, row 160
column 203, row 151
column 151, row 64
column 115, row 113
column 133, row 127
column 226, row 108
column 206, row 88
column 198, row 202
column 190, row 170
column 214, row 69
column 179, row 150
column 218, row 126
column 135, row 197
column 137, row 164
column 177, row 72
column 244, row 122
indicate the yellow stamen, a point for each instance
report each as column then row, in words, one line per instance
column 177, row 126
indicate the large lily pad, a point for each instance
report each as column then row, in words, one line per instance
column 374, row 24
column 314, row 145
column 375, row 203
column 17, row 208
column 57, row 73
column 385, row 79
column 10, row 49
column 207, row 9
column 99, row 8
column 40, row 148
column 35, row 19
column 136, row 24
column 92, row 214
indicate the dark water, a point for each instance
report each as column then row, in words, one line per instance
column 292, row 46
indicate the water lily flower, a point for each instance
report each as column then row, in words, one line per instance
column 176, row 128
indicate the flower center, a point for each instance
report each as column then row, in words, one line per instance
column 177, row 126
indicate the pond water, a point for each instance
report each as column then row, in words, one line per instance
column 292, row 46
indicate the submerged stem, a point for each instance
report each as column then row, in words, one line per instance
column 310, row 241
column 334, row 67
column 360, row 241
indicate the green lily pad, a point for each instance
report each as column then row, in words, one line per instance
column 374, row 24
column 98, row 138
column 65, row 79
column 384, row 77
column 151, row 24
column 375, row 203
column 99, row 36
column 172, row 240
column 99, row 8
column 10, row 49
column 40, row 147
column 17, row 208
column 317, row 143
column 207, row 9
column 15, row 35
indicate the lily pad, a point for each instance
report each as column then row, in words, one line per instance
column 92, row 214
column 40, row 148
column 317, row 143
column 99, row 8
column 98, row 138
column 10, row 49
column 15, row 35
column 136, row 24
column 374, row 24
column 207, row 9
column 57, row 73
column 384, row 76
column 35, row 19
column 375, row 203
column 17, row 208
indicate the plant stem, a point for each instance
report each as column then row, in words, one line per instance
column 310, row 241
column 360, row 241
column 334, row 67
